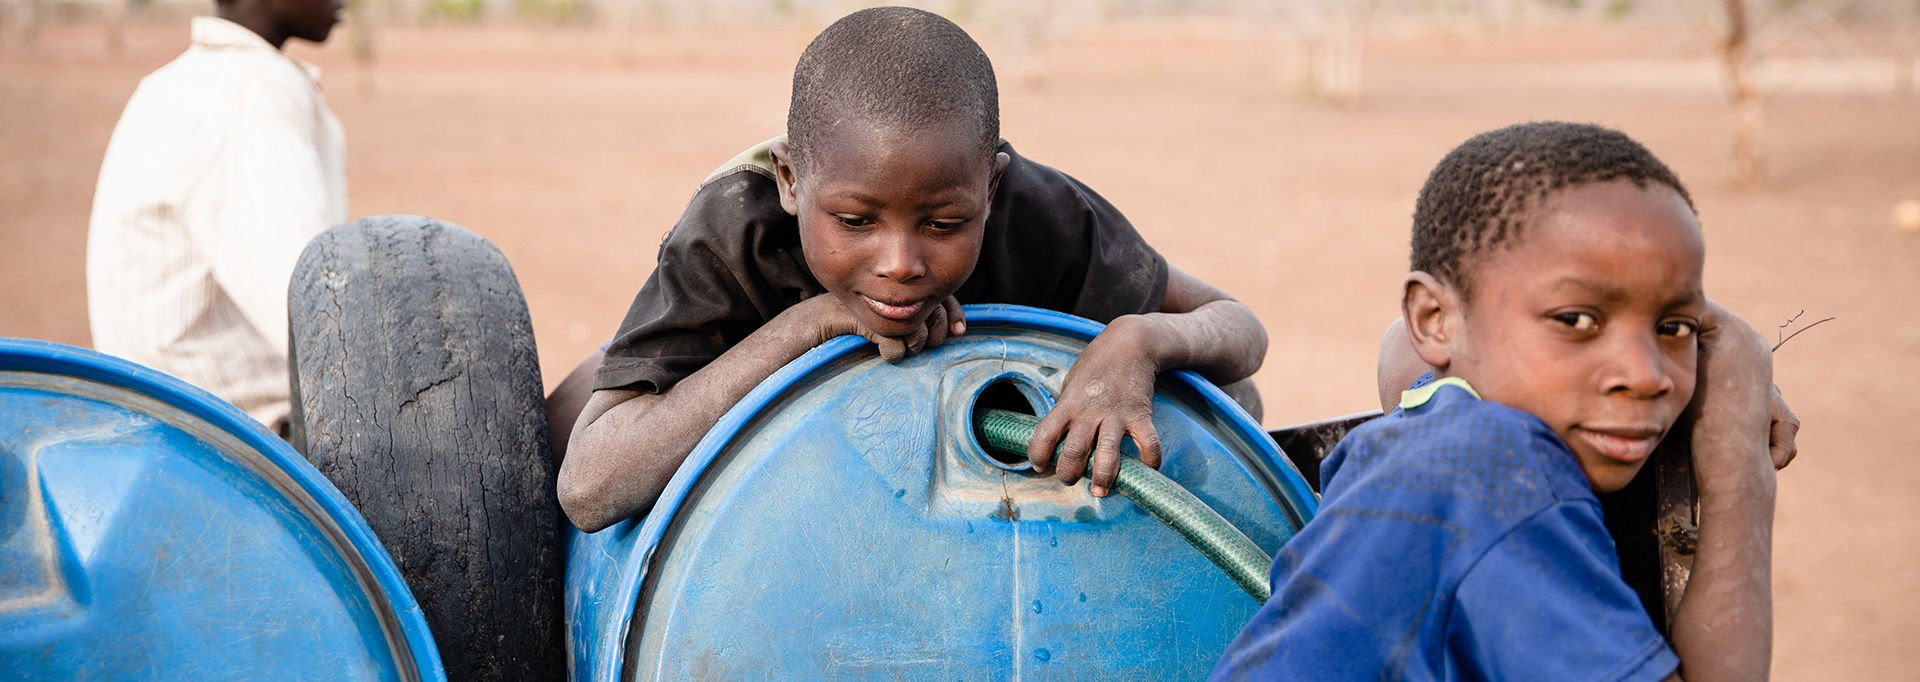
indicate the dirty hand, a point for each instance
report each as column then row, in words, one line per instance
column 1784, row 426
column 1108, row 397
column 835, row 320
column 1735, row 399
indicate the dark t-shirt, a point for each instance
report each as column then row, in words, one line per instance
column 734, row 262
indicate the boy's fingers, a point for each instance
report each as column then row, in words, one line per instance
column 1106, row 459
column 1040, row 448
column 937, row 327
column 916, row 342
column 891, row 349
column 1785, row 430
column 1075, row 448
column 956, row 318
column 1147, row 440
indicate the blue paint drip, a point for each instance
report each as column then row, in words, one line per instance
column 1043, row 655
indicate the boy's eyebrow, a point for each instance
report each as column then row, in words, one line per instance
column 857, row 196
column 1605, row 290
column 853, row 195
column 1609, row 292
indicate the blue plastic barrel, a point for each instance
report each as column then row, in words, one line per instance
column 842, row 521
column 151, row 531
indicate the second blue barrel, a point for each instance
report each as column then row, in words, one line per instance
column 843, row 521
column 150, row 531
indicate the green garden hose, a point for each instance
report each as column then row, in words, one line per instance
column 1202, row 527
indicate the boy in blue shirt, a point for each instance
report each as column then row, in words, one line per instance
column 1556, row 292
column 890, row 202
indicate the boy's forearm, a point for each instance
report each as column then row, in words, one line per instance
column 1222, row 340
column 1724, row 626
column 1723, row 629
column 622, row 456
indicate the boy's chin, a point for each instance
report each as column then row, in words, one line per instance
column 1609, row 479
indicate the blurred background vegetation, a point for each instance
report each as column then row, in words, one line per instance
column 1318, row 46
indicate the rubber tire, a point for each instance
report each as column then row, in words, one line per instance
column 417, row 391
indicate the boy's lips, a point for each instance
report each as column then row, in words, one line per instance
column 901, row 312
column 1627, row 445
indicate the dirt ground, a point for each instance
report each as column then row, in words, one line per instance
column 574, row 149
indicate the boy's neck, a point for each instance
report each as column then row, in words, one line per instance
column 253, row 19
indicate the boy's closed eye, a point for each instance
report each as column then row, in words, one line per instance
column 853, row 221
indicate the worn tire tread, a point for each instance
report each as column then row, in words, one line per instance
column 417, row 392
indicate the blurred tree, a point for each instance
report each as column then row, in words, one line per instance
column 1327, row 47
column 360, row 39
column 1748, row 165
column 114, row 15
column 25, row 17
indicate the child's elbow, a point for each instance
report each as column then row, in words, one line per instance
column 1250, row 337
column 583, row 500
column 1260, row 340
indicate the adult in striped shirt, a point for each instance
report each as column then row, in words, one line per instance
column 223, row 166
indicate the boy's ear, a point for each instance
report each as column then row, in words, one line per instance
column 1000, row 161
column 1434, row 318
column 783, row 175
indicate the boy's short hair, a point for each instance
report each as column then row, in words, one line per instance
column 895, row 66
column 1479, row 196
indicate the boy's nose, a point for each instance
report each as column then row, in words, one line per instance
column 900, row 259
column 1639, row 369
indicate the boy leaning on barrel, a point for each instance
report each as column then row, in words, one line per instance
column 890, row 201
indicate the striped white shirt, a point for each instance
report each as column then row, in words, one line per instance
column 224, row 165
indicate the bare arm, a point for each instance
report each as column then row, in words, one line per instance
column 567, row 401
column 1108, row 394
column 626, row 444
column 1723, row 629
column 1203, row 329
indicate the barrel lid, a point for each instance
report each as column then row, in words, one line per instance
column 151, row 530
column 842, row 518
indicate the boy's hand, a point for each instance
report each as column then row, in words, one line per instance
column 1784, row 426
column 1735, row 399
column 833, row 320
column 1108, row 397
column 1786, row 429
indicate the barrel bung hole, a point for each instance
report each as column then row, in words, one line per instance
column 1013, row 394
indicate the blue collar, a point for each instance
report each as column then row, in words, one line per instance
column 1419, row 396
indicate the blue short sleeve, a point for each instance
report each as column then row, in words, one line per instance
column 1547, row 603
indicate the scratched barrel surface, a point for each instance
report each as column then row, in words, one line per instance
column 843, row 521
column 150, row 531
